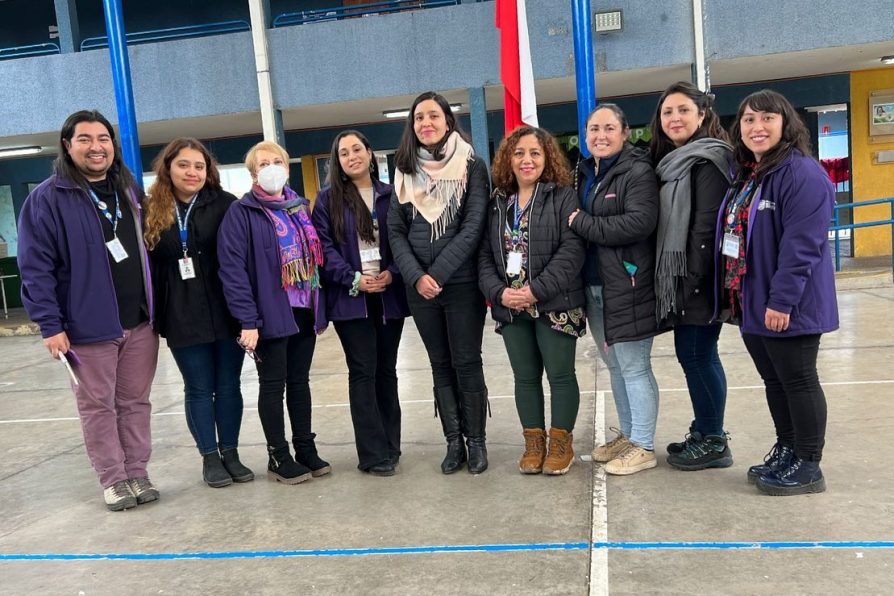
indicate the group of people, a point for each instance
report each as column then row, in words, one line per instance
column 695, row 232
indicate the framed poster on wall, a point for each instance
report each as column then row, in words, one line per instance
column 881, row 116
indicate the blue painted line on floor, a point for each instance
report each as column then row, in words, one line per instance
column 469, row 548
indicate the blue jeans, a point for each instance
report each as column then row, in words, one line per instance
column 211, row 383
column 696, row 347
column 634, row 387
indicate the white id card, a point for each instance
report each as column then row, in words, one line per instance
column 370, row 254
column 116, row 249
column 513, row 263
column 731, row 245
column 186, row 269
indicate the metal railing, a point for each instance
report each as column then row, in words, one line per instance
column 837, row 226
column 342, row 12
column 37, row 49
column 153, row 35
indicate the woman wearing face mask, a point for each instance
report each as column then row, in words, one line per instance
column 183, row 213
column 435, row 226
column 529, row 268
column 270, row 258
column 693, row 161
column 778, row 281
column 618, row 194
column 365, row 297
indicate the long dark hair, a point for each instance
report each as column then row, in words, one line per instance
column 661, row 145
column 405, row 156
column 120, row 177
column 343, row 193
column 794, row 132
column 159, row 206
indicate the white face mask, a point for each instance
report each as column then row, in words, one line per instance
column 273, row 178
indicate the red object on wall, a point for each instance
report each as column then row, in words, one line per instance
column 838, row 169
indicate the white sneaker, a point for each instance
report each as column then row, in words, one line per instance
column 634, row 459
column 612, row 449
column 119, row 497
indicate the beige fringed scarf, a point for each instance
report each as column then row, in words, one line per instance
column 436, row 191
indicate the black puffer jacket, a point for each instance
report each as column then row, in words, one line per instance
column 555, row 253
column 452, row 258
column 193, row 311
column 624, row 208
column 698, row 292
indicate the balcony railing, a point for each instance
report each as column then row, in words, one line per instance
column 153, row 35
column 38, row 49
column 361, row 10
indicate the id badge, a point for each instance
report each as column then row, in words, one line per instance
column 116, row 249
column 731, row 245
column 513, row 263
column 187, row 271
column 370, row 254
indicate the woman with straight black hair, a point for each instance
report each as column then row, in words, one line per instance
column 778, row 281
column 436, row 222
column 365, row 297
column 693, row 161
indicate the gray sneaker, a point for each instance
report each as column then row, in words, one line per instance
column 119, row 496
column 143, row 489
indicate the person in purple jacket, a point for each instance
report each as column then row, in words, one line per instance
column 86, row 282
column 270, row 259
column 365, row 296
column 778, row 281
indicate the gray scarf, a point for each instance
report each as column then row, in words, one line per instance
column 675, row 171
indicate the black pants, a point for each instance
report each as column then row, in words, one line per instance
column 797, row 403
column 285, row 368
column 452, row 327
column 370, row 347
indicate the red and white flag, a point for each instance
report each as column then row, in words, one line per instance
column 516, row 71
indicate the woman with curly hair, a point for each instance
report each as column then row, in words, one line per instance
column 183, row 213
column 529, row 269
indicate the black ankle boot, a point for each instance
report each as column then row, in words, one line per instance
column 235, row 468
column 447, row 407
column 213, row 472
column 306, row 455
column 800, row 477
column 474, row 413
column 282, row 468
column 778, row 458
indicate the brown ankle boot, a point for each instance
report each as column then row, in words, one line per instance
column 535, row 451
column 560, row 455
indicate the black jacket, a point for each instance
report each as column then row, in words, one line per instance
column 555, row 253
column 625, row 214
column 452, row 258
column 698, row 292
column 193, row 311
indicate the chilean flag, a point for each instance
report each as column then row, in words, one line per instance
column 516, row 72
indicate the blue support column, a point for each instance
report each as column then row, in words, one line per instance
column 127, row 119
column 584, row 66
column 478, row 120
column 67, row 24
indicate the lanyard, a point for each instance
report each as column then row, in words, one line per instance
column 104, row 209
column 519, row 212
column 183, row 222
column 737, row 203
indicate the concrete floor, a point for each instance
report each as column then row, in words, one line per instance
column 422, row 532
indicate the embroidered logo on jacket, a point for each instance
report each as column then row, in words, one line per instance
column 766, row 204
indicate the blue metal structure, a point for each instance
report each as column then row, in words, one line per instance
column 335, row 13
column 127, row 119
column 837, row 226
column 38, row 49
column 584, row 67
column 188, row 31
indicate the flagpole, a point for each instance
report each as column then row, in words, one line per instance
column 584, row 70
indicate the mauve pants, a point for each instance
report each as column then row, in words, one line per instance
column 113, row 402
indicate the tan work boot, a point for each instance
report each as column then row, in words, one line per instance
column 633, row 460
column 612, row 449
column 560, row 455
column 535, row 451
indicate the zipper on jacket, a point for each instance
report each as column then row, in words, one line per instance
column 502, row 221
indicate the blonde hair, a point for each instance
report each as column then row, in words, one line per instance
column 251, row 158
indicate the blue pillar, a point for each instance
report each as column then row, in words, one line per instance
column 127, row 119
column 478, row 120
column 584, row 67
column 67, row 24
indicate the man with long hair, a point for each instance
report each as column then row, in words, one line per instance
column 86, row 282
